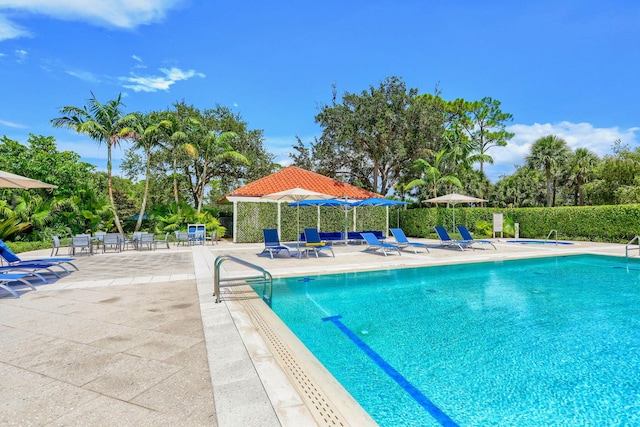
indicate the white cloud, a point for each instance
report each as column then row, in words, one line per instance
column 84, row 76
column 12, row 125
column 156, row 83
column 126, row 14
column 577, row 135
column 21, row 55
column 11, row 30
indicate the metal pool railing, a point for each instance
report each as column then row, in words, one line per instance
column 549, row 235
column 626, row 248
column 263, row 277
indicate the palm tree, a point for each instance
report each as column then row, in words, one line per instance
column 102, row 123
column 212, row 147
column 431, row 175
column 147, row 133
column 582, row 164
column 548, row 152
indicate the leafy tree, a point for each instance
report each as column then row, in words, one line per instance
column 432, row 176
column 102, row 123
column 581, row 167
column 147, row 132
column 548, row 152
column 365, row 137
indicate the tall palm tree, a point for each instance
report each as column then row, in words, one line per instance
column 147, row 133
column 102, row 123
column 582, row 164
column 549, row 152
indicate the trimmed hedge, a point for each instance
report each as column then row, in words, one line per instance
column 616, row 224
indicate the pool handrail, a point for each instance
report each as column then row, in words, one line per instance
column 627, row 247
column 549, row 235
column 263, row 278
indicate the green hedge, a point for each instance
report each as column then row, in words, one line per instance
column 253, row 217
column 617, row 224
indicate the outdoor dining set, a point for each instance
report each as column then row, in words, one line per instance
column 103, row 241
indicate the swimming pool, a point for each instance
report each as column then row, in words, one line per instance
column 551, row 341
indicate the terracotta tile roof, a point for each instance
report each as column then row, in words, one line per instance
column 292, row 177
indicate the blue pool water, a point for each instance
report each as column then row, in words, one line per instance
column 552, row 341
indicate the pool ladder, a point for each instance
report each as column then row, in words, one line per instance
column 626, row 248
column 263, row 277
column 549, row 235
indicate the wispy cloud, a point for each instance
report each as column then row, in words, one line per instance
column 158, row 82
column 86, row 76
column 577, row 135
column 12, row 124
column 21, row 55
column 9, row 29
column 124, row 14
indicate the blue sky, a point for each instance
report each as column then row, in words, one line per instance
column 568, row 68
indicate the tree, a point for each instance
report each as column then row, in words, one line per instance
column 102, row 123
column 548, row 152
column 147, row 133
column 485, row 124
column 582, row 164
column 364, row 138
column 432, row 175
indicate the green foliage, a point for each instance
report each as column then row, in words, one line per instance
column 12, row 226
column 616, row 224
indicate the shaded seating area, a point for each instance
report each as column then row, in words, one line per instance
column 447, row 241
column 314, row 243
column 374, row 244
column 402, row 241
column 272, row 243
column 466, row 235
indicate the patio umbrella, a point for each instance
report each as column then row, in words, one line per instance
column 296, row 194
column 10, row 180
column 453, row 199
column 375, row 201
column 329, row 202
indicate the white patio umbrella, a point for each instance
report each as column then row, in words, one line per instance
column 453, row 199
column 296, row 194
column 11, row 180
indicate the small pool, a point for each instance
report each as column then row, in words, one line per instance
column 538, row 242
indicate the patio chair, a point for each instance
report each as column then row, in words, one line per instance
column 272, row 242
column 447, row 241
column 373, row 244
column 57, row 244
column 402, row 241
column 313, row 242
column 146, row 239
column 111, row 240
column 82, row 242
column 466, row 235
column 6, row 279
column 14, row 260
column 164, row 241
column 182, row 237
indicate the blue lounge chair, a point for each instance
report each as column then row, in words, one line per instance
column 447, row 241
column 466, row 235
column 5, row 279
column 313, row 242
column 373, row 244
column 403, row 242
column 272, row 242
column 14, row 260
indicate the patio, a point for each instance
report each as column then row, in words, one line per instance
column 136, row 338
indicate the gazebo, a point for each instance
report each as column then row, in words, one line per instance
column 285, row 179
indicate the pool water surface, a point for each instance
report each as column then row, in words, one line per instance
column 549, row 341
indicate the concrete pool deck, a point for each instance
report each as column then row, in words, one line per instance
column 137, row 338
